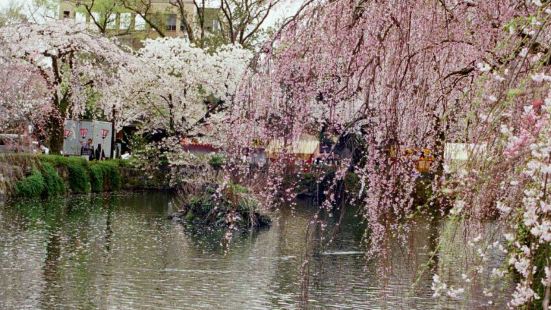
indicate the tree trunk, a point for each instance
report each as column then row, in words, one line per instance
column 545, row 303
column 55, row 131
column 56, row 123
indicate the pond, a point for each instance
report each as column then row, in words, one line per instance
column 120, row 252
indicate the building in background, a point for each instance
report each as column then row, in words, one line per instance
column 133, row 21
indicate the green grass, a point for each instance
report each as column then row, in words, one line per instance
column 42, row 182
column 53, row 183
column 53, row 175
column 97, row 176
column 79, row 180
column 104, row 176
column 32, row 186
column 77, row 167
column 235, row 196
column 216, row 161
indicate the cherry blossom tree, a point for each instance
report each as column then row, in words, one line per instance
column 180, row 88
column 391, row 72
column 72, row 61
column 23, row 93
column 400, row 75
column 507, row 175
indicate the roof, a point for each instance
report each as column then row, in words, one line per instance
column 207, row 148
column 462, row 151
column 307, row 145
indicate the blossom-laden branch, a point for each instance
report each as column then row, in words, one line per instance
column 180, row 88
column 405, row 75
column 72, row 62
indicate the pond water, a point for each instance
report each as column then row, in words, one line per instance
column 120, row 252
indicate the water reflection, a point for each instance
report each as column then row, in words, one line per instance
column 120, row 252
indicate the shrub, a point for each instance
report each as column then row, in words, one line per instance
column 52, row 181
column 114, row 175
column 235, row 199
column 31, row 186
column 104, row 176
column 78, row 171
column 202, row 204
column 237, row 188
column 57, row 174
column 307, row 183
column 96, row 178
column 216, row 161
column 78, row 176
column 352, row 182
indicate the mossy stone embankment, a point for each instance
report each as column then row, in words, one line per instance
column 34, row 176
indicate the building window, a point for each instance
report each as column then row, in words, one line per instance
column 96, row 17
column 80, row 18
column 66, row 14
column 171, row 22
column 216, row 25
column 139, row 23
column 111, row 21
column 125, row 20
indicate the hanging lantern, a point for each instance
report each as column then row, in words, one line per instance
column 66, row 133
column 83, row 132
column 104, row 133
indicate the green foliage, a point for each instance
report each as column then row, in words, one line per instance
column 59, row 161
column 212, row 209
column 43, row 182
column 307, row 183
column 202, row 204
column 32, row 186
column 96, row 178
column 234, row 196
column 541, row 261
column 54, row 175
column 85, row 176
column 104, row 176
column 77, row 169
column 247, row 204
column 513, row 92
column 125, row 163
column 235, row 188
column 78, row 176
column 52, row 181
column 115, row 179
column 352, row 182
column 217, row 161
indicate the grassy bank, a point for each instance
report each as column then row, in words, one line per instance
column 34, row 176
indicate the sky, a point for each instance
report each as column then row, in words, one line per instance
column 286, row 9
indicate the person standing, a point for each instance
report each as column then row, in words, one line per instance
column 100, row 155
column 87, row 150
